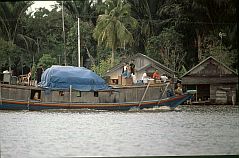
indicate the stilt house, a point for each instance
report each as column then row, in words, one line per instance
column 215, row 82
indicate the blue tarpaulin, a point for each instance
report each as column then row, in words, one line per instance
column 80, row 78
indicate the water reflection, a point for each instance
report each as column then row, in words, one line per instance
column 192, row 130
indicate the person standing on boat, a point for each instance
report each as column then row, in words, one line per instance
column 126, row 70
column 25, row 69
column 39, row 72
column 132, row 67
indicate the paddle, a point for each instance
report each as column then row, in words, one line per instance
column 144, row 93
column 163, row 92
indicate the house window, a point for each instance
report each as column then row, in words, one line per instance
column 35, row 94
column 96, row 94
column 61, row 93
column 79, row 94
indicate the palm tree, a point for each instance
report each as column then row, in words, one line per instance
column 151, row 23
column 83, row 9
column 10, row 14
column 112, row 28
column 10, row 17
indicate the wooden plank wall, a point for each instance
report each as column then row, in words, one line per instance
column 126, row 94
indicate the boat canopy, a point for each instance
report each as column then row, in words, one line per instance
column 80, row 78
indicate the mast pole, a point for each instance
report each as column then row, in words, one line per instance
column 1, row 92
column 79, row 58
column 64, row 36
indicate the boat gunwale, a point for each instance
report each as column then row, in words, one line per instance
column 113, row 87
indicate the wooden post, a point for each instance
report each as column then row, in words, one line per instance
column 196, row 92
column 1, row 92
column 144, row 93
column 163, row 92
column 70, row 92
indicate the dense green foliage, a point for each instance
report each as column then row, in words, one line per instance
column 47, row 61
column 112, row 29
column 178, row 34
column 167, row 48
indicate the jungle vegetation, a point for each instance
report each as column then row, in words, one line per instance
column 177, row 33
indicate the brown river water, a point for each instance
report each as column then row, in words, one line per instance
column 191, row 130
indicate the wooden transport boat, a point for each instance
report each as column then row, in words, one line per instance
column 67, row 87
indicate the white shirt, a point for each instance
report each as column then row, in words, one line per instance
column 164, row 78
column 144, row 76
column 125, row 68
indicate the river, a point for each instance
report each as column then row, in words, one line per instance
column 192, row 130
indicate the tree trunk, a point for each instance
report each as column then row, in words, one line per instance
column 90, row 56
column 199, row 43
column 112, row 57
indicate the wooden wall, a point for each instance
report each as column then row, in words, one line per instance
column 219, row 93
column 124, row 94
column 15, row 92
column 222, row 93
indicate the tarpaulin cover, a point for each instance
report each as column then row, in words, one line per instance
column 80, row 78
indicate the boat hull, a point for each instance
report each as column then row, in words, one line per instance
column 171, row 102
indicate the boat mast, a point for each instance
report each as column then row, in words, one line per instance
column 64, row 36
column 79, row 59
column 1, row 92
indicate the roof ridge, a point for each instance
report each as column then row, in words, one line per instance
column 193, row 68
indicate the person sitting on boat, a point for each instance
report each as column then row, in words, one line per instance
column 156, row 75
column 134, row 78
column 179, row 90
column 164, row 78
column 36, row 96
column 145, row 77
